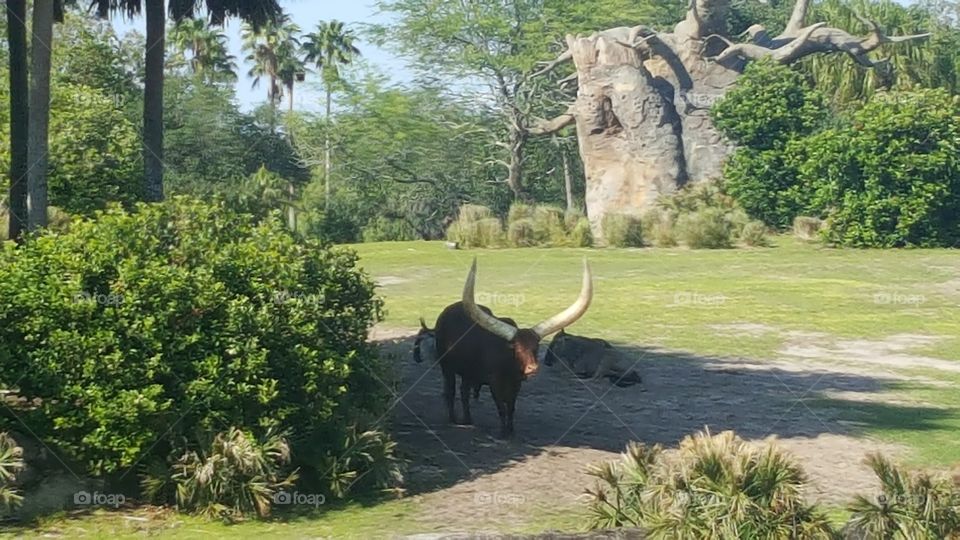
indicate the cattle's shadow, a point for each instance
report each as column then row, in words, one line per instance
column 680, row 394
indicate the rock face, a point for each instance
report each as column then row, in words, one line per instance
column 629, row 133
column 643, row 101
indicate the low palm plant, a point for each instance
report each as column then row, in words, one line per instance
column 369, row 461
column 11, row 462
column 717, row 487
column 238, row 475
column 914, row 507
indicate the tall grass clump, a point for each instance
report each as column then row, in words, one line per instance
column 580, row 234
column 754, row 234
column 475, row 226
column 520, row 233
column 622, row 230
column 657, row 225
column 708, row 228
column 519, row 210
column 806, row 227
column 548, row 226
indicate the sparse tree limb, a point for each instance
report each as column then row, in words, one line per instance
column 546, row 127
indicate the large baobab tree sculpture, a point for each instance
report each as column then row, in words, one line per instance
column 643, row 97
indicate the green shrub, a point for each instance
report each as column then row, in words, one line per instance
column 519, row 211
column 754, row 234
column 806, row 227
column 770, row 104
column 520, row 233
column 580, row 234
column 622, row 230
column 766, row 183
column 718, row 487
column 708, row 228
column 11, row 462
column 548, row 227
column 889, row 177
column 383, row 229
column 658, row 227
column 179, row 319
column 911, row 506
column 233, row 476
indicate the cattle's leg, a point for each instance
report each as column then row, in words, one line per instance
column 449, row 392
column 465, row 388
column 497, row 393
column 511, row 402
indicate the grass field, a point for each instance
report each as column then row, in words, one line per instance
column 896, row 312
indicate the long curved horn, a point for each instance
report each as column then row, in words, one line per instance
column 485, row 320
column 575, row 311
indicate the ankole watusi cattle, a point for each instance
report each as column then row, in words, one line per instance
column 485, row 350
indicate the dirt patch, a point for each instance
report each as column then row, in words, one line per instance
column 890, row 352
column 471, row 481
column 386, row 281
column 743, row 329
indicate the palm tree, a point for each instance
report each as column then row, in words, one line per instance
column 273, row 52
column 256, row 12
column 19, row 106
column 328, row 48
column 209, row 57
column 38, row 124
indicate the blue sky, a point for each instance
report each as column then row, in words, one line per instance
column 306, row 14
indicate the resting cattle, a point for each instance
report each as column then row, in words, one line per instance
column 591, row 358
column 485, row 350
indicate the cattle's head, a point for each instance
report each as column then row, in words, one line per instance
column 556, row 348
column 425, row 345
column 526, row 341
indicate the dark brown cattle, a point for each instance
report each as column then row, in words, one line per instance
column 482, row 349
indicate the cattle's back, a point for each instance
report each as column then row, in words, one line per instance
column 465, row 346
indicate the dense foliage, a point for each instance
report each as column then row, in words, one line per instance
column 136, row 333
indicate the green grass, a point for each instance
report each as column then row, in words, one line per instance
column 673, row 298
column 670, row 298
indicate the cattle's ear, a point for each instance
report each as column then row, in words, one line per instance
column 560, row 333
column 423, row 325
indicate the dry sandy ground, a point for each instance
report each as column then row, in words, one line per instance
column 472, row 481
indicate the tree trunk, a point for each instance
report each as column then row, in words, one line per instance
column 291, row 209
column 326, row 155
column 567, row 179
column 19, row 116
column 39, row 115
column 291, row 97
column 517, row 141
column 153, row 101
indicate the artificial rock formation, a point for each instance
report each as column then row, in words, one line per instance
column 643, row 98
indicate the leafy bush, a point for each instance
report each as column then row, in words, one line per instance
column 806, row 227
column 520, row 233
column 236, row 475
column 719, row 487
column 770, row 104
column 621, row 230
column 176, row 320
column 384, row 229
column 918, row 506
column 11, row 462
column 708, row 228
column 891, row 177
column 754, row 234
column 766, row 182
column 580, row 234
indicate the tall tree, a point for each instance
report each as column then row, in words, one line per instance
column 41, row 49
column 256, row 12
column 330, row 47
column 209, row 57
column 19, row 107
column 272, row 50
